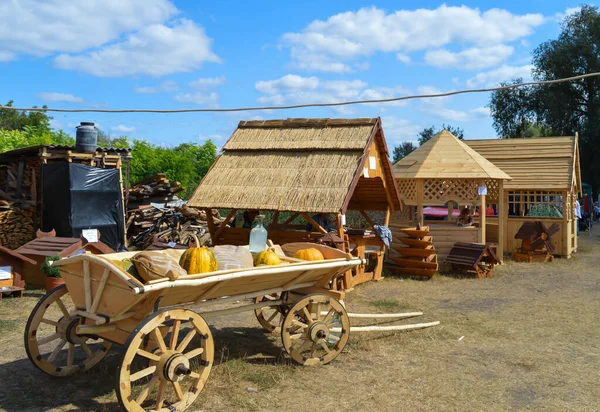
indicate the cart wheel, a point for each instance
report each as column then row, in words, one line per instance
column 50, row 328
column 269, row 317
column 315, row 330
column 171, row 377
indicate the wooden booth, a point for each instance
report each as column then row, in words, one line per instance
column 546, row 180
column 445, row 172
column 46, row 245
column 11, row 271
column 20, row 184
column 297, row 168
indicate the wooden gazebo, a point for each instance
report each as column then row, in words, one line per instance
column 546, row 180
column 298, row 167
column 446, row 170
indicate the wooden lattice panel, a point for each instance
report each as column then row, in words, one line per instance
column 408, row 189
column 493, row 190
column 439, row 191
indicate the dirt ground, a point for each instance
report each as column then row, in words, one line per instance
column 528, row 338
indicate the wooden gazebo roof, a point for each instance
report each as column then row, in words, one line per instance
column 308, row 165
column 540, row 163
column 445, row 156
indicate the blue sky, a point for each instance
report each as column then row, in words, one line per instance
column 117, row 54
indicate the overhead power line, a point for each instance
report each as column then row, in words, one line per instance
column 300, row 106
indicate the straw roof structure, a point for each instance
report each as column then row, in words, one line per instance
column 541, row 163
column 300, row 165
column 446, row 157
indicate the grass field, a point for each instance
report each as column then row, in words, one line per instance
column 528, row 338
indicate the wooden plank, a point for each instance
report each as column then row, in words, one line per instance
column 20, row 179
column 312, row 222
column 223, row 225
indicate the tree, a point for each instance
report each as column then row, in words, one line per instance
column 562, row 108
column 429, row 132
column 18, row 120
column 402, row 150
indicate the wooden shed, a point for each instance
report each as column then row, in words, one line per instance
column 445, row 170
column 303, row 166
column 546, row 180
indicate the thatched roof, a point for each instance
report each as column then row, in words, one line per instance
column 305, row 165
column 540, row 163
column 445, row 156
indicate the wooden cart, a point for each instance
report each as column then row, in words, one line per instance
column 169, row 349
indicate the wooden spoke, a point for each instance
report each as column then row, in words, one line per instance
column 192, row 354
column 186, row 341
column 63, row 309
column 144, row 372
column 308, row 344
column 146, row 390
column 43, row 351
column 267, row 316
column 159, row 340
column 148, row 355
column 56, row 350
column 174, row 334
column 160, row 395
column 272, row 316
column 71, row 355
column 157, row 385
column 49, row 322
column 50, row 338
column 178, row 391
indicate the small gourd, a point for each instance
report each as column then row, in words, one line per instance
column 267, row 257
column 198, row 259
column 309, row 254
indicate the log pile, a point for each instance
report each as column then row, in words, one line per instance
column 156, row 188
column 150, row 227
column 16, row 224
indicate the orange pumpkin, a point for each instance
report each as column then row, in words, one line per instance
column 309, row 254
column 267, row 257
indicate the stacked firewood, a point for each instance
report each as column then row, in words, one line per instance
column 157, row 187
column 16, row 224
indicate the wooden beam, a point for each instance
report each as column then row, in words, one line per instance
column 482, row 215
column 566, row 224
column 420, row 217
column 502, row 216
column 224, row 223
column 369, row 221
column 276, row 217
column 312, row 222
column 211, row 225
column 20, row 179
column 388, row 214
column 450, row 210
column 291, row 218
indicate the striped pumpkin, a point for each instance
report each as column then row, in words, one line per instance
column 198, row 260
column 267, row 257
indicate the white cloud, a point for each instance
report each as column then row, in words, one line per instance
column 59, row 97
column 41, row 28
column 404, row 58
column 154, row 50
column 294, row 89
column 480, row 112
column 213, row 137
column 198, row 98
column 397, row 129
column 123, row 129
column 437, row 107
column 164, row 87
column 570, row 10
column 503, row 73
column 329, row 45
column 471, row 59
column 207, row 82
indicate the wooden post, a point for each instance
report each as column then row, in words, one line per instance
column 367, row 218
column 420, row 218
column 566, row 226
column 482, row 215
column 211, row 226
column 275, row 217
column 505, row 219
column 20, row 172
column 450, row 210
column 502, row 216
column 223, row 224
column 314, row 224
column 388, row 213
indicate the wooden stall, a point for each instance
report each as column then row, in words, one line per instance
column 443, row 171
column 304, row 167
column 20, row 184
column 546, row 180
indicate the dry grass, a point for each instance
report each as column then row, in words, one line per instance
column 530, row 340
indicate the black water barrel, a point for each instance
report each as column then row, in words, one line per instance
column 86, row 138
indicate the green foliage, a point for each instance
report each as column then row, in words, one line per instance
column 562, row 108
column 429, row 132
column 18, row 120
column 402, row 150
column 50, row 271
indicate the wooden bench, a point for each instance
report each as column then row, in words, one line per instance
column 476, row 257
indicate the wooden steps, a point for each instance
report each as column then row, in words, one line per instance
column 422, row 243
column 419, row 257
